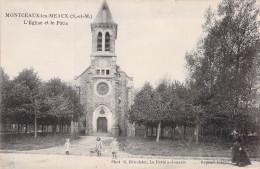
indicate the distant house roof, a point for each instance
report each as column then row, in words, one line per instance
column 104, row 15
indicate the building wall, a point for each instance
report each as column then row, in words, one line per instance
column 117, row 100
column 112, row 29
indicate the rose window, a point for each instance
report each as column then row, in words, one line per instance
column 102, row 88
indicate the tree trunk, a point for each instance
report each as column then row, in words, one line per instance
column 202, row 132
column 221, row 133
column 18, row 128
column 35, row 125
column 212, row 132
column 151, row 131
column 162, row 131
column 258, row 126
column 145, row 134
column 42, row 128
column 197, row 133
column 158, row 132
column 172, row 133
column 5, row 129
column 25, row 128
column 54, row 128
column 184, row 131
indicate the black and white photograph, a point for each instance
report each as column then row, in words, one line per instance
column 131, row 84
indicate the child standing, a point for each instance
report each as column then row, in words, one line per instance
column 67, row 146
column 114, row 147
column 99, row 146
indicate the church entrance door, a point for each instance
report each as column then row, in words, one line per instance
column 102, row 125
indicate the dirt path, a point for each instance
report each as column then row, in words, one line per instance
column 42, row 161
column 55, row 158
column 81, row 146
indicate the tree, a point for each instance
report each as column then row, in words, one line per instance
column 161, row 101
column 237, row 37
column 141, row 111
column 6, row 105
column 177, row 93
column 185, row 115
column 27, row 100
column 224, row 71
column 152, row 106
column 30, row 98
column 63, row 104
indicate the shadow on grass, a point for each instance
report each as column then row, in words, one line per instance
column 28, row 142
column 209, row 147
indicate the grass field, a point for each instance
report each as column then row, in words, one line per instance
column 28, row 142
column 210, row 147
column 166, row 147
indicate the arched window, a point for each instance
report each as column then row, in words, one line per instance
column 99, row 42
column 107, row 42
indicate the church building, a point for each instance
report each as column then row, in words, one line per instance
column 106, row 91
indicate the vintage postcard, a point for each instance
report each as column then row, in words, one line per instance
column 130, row 84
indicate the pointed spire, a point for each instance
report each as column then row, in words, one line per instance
column 104, row 14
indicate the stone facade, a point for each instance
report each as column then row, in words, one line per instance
column 105, row 90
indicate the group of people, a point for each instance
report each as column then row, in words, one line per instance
column 239, row 156
column 113, row 145
column 99, row 147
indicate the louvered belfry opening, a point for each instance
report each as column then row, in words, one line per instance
column 107, row 42
column 99, row 42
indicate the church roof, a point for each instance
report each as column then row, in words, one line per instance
column 75, row 78
column 104, row 15
column 119, row 70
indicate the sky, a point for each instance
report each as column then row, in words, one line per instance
column 153, row 37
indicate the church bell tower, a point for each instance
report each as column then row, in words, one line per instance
column 106, row 90
column 104, row 33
